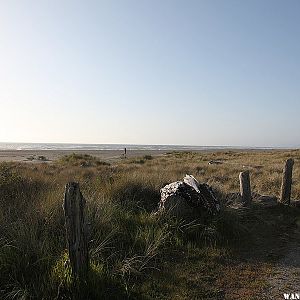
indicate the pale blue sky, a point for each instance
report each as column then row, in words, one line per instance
column 150, row 72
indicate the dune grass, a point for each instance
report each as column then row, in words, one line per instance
column 135, row 254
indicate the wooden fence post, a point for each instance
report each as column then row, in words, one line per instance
column 286, row 185
column 245, row 187
column 75, row 230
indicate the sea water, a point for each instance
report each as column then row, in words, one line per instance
column 62, row 146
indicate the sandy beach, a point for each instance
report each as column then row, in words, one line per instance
column 106, row 155
column 52, row 155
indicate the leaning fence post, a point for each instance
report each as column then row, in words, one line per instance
column 286, row 185
column 75, row 230
column 245, row 187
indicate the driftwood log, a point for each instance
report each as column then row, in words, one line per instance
column 74, row 204
column 188, row 195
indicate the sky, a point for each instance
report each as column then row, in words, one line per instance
column 179, row 72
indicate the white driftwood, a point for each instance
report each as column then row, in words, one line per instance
column 191, row 181
column 188, row 193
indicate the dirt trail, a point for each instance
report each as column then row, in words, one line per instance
column 286, row 276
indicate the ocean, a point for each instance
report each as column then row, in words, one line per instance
column 61, row 146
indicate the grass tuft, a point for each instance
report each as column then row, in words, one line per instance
column 135, row 254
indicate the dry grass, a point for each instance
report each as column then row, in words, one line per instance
column 128, row 244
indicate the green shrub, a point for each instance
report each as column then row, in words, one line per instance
column 82, row 160
column 147, row 157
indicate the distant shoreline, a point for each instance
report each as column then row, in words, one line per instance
column 52, row 155
column 120, row 147
column 107, row 155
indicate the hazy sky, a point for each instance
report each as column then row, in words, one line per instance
column 150, row 72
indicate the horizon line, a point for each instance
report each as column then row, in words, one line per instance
column 179, row 145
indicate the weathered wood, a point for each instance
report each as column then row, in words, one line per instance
column 286, row 186
column 245, row 187
column 75, row 230
column 187, row 196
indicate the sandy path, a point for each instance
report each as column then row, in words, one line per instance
column 286, row 277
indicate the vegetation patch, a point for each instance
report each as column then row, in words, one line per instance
column 82, row 160
column 134, row 253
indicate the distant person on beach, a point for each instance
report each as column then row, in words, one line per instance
column 125, row 151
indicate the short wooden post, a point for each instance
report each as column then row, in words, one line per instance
column 75, row 230
column 245, row 187
column 286, row 186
